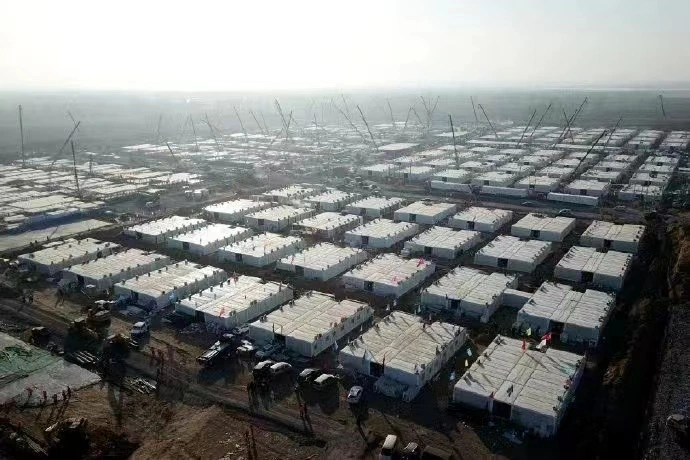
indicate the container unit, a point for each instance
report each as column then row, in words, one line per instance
column 374, row 206
column 389, row 274
column 513, row 253
column 535, row 161
column 485, row 220
column 634, row 192
column 311, row 324
column 514, row 154
column 158, row 231
column 451, row 186
column 558, row 172
column 613, row 165
column 380, row 170
column 332, row 200
column 233, row 211
column 541, row 184
column 322, row 262
column 416, row 173
column 403, row 352
column 577, row 317
column 59, row 255
column 529, row 387
column 235, row 301
column 517, row 169
column 588, row 265
column 483, row 151
column 588, row 188
column 607, row 235
column 290, row 193
column 260, row 250
column 582, row 200
column 468, row 291
column 278, row 218
column 460, row 176
column 658, row 169
column 441, row 163
column 477, row 166
column 443, row 242
column 398, row 148
column 424, row 212
column 646, row 179
column 328, row 224
column 207, row 240
column 542, row 227
column 380, row 233
column 662, row 160
column 553, row 155
column 105, row 272
column 495, row 178
column 159, row 288
column 602, row 176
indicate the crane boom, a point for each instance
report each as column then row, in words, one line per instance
column 367, row 125
column 407, row 118
column 21, row 135
column 390, row 110
column 527, row 127
column 74, row 162
column 489, row 121
column 213, row 133
column 191, row 121
column 540, row 120
column 246, row 137
column 172, row 154
column 476, row 118
column 455, row 149
column 261, row 130
column 661, row 100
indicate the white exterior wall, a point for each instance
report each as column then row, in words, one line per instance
column 428, row 214
column 543, row 227
column 207, row 240
column 323, row 261
column 519, row 255
column 374, row 206
column 261, row 250
column 389, row 274
column 278, row 218
column 234, row 211
column 481, row 219
column 59, row 256
column 607, row 269
column 623, row 238
column 380, row 233
column 444, row 242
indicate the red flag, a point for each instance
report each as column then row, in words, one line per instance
column 421, row 261
column 524, row 345
column 491, row 396
column 547, row 337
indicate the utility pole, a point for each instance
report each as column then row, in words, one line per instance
column 527, row 127
column 489, row 121
column 76, row 175
column 455, row 149
column 21, row 135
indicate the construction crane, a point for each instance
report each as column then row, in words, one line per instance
column 488, row 121
column 455, row 149
column 476, row 118
column 349, row 120
column 526, row 127
column 21, row 136
column 568, row 131
column 286, row 125
column 196, row 142
column 429, row 111
column 246, row 137
column 213, row 133
column 661, row 101
column 569, row 123
column 368, row 129
column 76, row 175
column 582, row 161
column 540, row 120
column 172, row 154
column 158, row 129
column 390, row 110
column 407, row 118
column 261, row 130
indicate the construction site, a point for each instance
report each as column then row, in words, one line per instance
column 480, row 288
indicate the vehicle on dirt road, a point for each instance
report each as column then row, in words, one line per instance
column 281, row 368
column 355, row 395
column 324, row 382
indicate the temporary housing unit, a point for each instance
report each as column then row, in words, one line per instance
column 59, row 255
column 290, row 193
column 235, row 301
column 162, row 287
column 577, row 317
column 582, row 200
column 424, row 212
column 477, row 166
column 552, row 154
column 607, row 235
column 443, row 242
column 495, row 178
column 380, row 233
column 602, row 176
column 558, row 172
column 260, row 250
column 416, row 173
column 485, row 220
column 513, row 253
column 207, row 240
column 397, row 148
column 278, row 218
column 646, row 178
column 322, row 262
column 633, row 192
column 332, row 200
column 468, row 291
column 328, row 224
column 381, row 170
column 311, row 324
column 157, row 231
column 403, row 353
column 389, row 274
column 103, row 273
column 374, row 206
column 460, row 176
column 589, row 265
column 542, row 227
column 234, row 211
column 542, row 184
column 588, row 187
column 529, row 387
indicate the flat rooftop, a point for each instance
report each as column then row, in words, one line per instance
column 584, row 259
column 320, row 256
column 67, row 250
column 514, row 248
column 388, row 269
column 236, row 206
column 165, row 225
column 615, row 232
column 544, row 223
column 168, row 278
column 397, row 147
column 472, row 285
column 116, row 263
column 484, row 215
column 382, row 228
column 374, row 202
column 291, row 191
column 446, row 238
column 260, row 245
column 279, row 213
column 211, row 233
column 332, row 196
column 328, row 221
column 431, row 209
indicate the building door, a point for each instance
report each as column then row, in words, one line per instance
column 299, row 270
column 375, row 369
column 501, row 409
column 428, row 250
column 365, row 240
column 587, row 277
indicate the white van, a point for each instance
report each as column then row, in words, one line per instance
column 388, row 448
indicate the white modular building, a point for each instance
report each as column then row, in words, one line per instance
column 460, row 176
column 164, row 286
column 602, row 176
column 451, row 186
column 589, row 265
column 158, row 231
column 443, row 242
column 381, row 170
column 646, row 178
column 529, row 387
column 468, row 291
column 278, row 218
column 477, row 166
column 103, row 273
column 59, row 255
column 380, row 233
column 374, row 206
column 607, row 235
column 389, row 274
column 495, row 178
column 417, row 173
column 485, row 220
column 582, row 200
column 322, row 262
column 513, row 253
column 542, row 227
column 332, row 200
column 551, row 154
column 557, row 172
column 328, row 224
column 542, row 184
column 633, row 192
column 290, row 193
column 260, row 250
column 588, row 188
column 403, row 352
column 207, row 240
column 235, row 301
column 311, row 324
column 234, row 211
column 577, row 317
column 609, row 165
column 424, row 212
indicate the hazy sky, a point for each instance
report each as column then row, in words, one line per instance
column 294, row 44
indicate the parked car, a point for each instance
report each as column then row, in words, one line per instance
column 280, row 368
column 355, row 395
column 528, row 204
column 242, row 329
column 389, row 447
column 246, row 348
column 308, row 375
column 262, row 369
column 565, row 213
column 324, row 382
column 412, row 451
column 139, row 329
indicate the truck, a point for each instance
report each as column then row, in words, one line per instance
column 139, row 329
column 218, row 351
